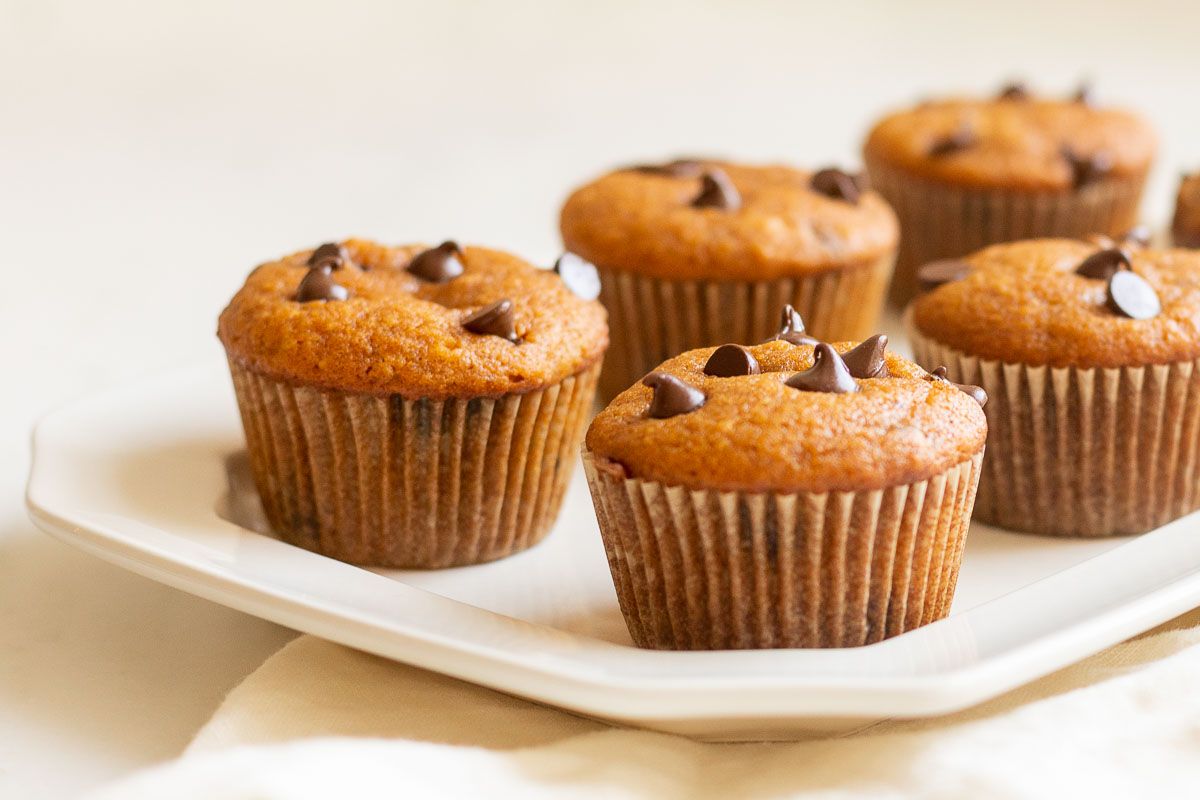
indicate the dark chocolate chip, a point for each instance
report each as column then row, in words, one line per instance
column 959, row 140
column 827, row 374
column 1013, row 91
column 1130, row 295
column 976, row 393
column 330, row 255
column 493, row 320
column 318, row 285
column 679, row 168
column 1085, row 95
column 579, row 275
column 834, row 183
column 867, row 359
column 791, row 328
column 730, row 361
column 1103, row 263
column 935, row 273
column 1139, row 235
column 1086, row 169
column 717, row 191
column 438, row 264
column 671, row 396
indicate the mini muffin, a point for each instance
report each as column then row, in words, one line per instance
column 964, row 174
column 1185, row 228
column 785, row 495
column 695, row 253
column 412, row 406
column 1089, row 355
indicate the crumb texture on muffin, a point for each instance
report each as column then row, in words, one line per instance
column 645, row 222
column 755, row 433
column 396, row 333
column 1025, row 303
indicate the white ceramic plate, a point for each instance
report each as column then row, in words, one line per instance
column 152, row 477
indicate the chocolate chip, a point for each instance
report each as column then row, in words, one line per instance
column 867, row 359
column 960, row 139
column 330, row 255
column 836, row 184
column 318, row 285
column 1130, row 295
column 1139, row 235
column 1013, row 91
column 1086, row 169
column 827, row 374
column 730, row 361
column 717, row 191
column 493, row 320
column 935, row 273
column 679, row 168
column 976, row 393
column 579, row 275
column 1085, row 95
column 791, row 328
column 438, row 264
column 1103, row 263
column 671, row 396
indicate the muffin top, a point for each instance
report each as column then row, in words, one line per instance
column 788, row 428
column 712, row 220
column 415, row 321
column 1062, row 302
column 1014, row 141
column 1186, row 226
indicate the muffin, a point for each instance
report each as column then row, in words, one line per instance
column 1089, row 357
column 694, row 253
column 964, row 174
column 1185, row 227
column 412, row 406
column 785, row 495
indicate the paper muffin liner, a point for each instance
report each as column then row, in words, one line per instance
column 941, row 221
column 653, row 319
column 1082, row 452
column 389, row 481
column 711, row 570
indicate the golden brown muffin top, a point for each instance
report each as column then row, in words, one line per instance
column 755, row 433
column 1020, row 143
column 1025, row 303
column 396, row 333
column 1186, row 226
column 643, row 220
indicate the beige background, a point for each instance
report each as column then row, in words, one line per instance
column 150, row 153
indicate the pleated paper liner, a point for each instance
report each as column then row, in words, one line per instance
column 709, row 570
column 1082, row 452
column 939, row 221
column 653, row 319
column 387, row 481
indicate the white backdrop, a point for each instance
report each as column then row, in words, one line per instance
column 151, row 153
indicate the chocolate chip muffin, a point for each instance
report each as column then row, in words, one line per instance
column 1089, row 354
column 1185, row 227
column 413, row 406
column 787, row 494
column 694, row 253
column 963, row 174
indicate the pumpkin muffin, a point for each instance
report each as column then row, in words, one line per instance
column 1185, row 228
column 963, row 174
column 785, row 495
column 694, row 253
column 413, row 406
column 1089, row 354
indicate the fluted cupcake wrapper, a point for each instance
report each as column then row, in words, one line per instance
column 710, row 570
column 940, row 221
column 653, row 319
column 1082, row 452
column 389, row 481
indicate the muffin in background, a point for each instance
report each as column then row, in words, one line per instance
column 785, row 495
column 694, row 253
column 966, row 173
column 1185, row 226
column 412, row 406
column 1088, row 354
